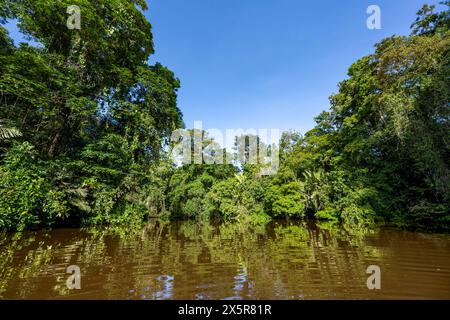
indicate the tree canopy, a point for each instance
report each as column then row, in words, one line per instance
column 86, row 125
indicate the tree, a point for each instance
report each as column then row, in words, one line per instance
column 87, row 101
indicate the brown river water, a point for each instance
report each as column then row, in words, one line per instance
column 191, row 260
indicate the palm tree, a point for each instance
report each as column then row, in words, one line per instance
column 313, row 190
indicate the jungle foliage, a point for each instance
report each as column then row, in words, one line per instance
column 85, row 127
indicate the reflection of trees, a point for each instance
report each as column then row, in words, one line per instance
column 191, row 259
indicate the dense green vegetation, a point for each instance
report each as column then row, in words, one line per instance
column 85, row 127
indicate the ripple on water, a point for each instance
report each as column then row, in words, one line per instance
column 290, row 260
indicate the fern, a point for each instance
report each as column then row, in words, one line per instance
column 8, row 133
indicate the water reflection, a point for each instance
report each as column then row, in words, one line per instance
column 193, row 260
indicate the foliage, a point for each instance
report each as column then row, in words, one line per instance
column 26, row 197
column 95, row 115
column 381, row 152
column 86, row 125
column 236, row 198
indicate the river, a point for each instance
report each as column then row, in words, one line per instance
column 193, row 260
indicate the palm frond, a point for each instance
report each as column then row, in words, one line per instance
column 8, row 133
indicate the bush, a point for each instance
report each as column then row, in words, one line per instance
column 285, row 200
column 27, row 198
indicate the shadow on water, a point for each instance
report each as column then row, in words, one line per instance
column 202, row 260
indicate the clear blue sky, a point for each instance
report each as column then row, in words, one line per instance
column 265, row 63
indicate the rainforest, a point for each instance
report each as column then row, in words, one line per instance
column 86, row 143
column 86, row 122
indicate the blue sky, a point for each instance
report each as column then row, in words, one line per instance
column 265, row 63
